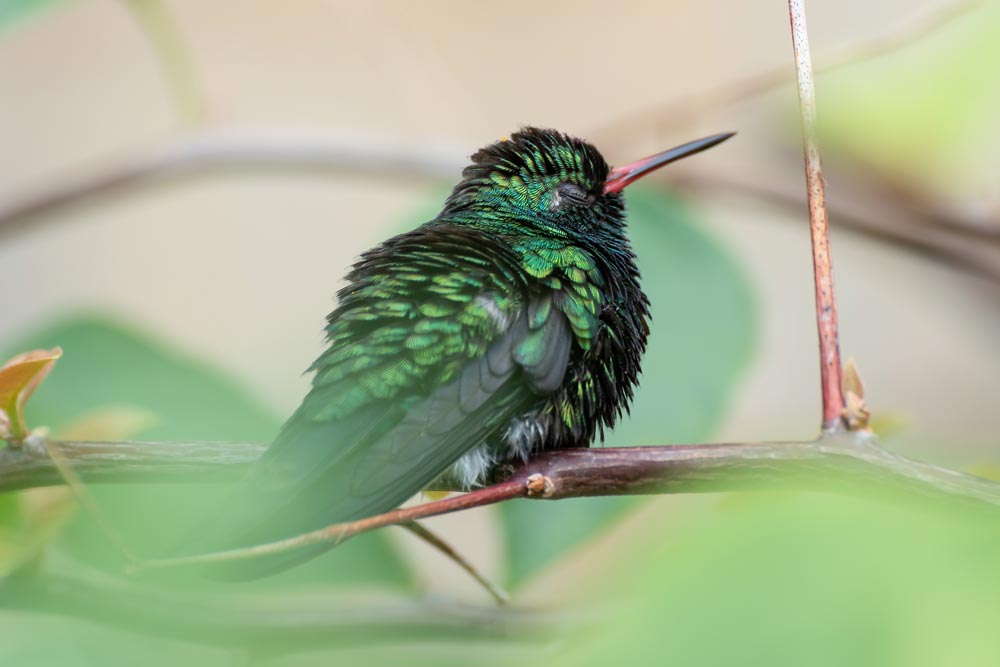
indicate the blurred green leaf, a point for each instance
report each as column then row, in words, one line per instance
column 41, row 640
column 702, row 336
column 14, row 10
column 110, row 368
column 925, row 111
column 29, row 522
column 106, row 363
column 799, row 579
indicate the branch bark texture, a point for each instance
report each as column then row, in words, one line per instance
column 851, row 459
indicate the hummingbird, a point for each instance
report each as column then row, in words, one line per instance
column 512, row 323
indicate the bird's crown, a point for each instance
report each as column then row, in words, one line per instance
column 534, row 172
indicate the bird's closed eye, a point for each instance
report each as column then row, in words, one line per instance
column 568, row 194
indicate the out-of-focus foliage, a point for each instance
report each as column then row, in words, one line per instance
column 13, row 10
column 922, row 113
column 802, row 580
column 110, row 370
column 701, row 338
column 29, row 522
column 107, row 364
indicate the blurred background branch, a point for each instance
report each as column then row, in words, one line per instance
column 313, row 150
column 877, row 211
column 865, row 205
column 287, row 623
column 869, row 204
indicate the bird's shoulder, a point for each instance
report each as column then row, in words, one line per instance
column 416, row 309
column 572, row 283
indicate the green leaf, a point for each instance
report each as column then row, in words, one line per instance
column 29, row 523
column 702, row 336
column 15, row 10
column 107, row 366
column 800, row 579
column 925, row 113
column 107, row 363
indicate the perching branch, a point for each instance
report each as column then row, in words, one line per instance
column 29, row 466
column 836, row 462
column 86, row 501
column 680, row 468
column 313, row 150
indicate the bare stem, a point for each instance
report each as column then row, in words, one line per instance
column 682, row 467
column 30, row 466
column 819, row 227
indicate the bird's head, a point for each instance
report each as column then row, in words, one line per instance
column 546, row 181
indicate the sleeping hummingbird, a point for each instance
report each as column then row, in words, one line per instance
column 512, row 323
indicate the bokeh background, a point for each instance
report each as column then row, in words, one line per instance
column 188, row 302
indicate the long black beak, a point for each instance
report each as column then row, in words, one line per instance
column 622, row 176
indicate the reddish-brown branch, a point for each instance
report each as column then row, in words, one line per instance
column 826, row 304
column 836, row 462
column 338, row 532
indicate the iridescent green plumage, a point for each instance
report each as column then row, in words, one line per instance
column 511, row 323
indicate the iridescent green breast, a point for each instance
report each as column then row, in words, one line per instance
column 571, row 276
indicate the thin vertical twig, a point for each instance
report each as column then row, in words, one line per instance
column 826, row 304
